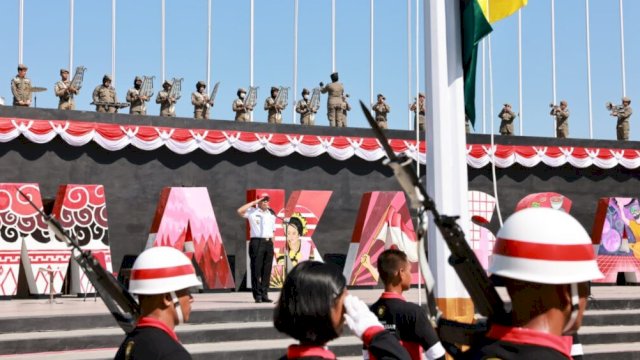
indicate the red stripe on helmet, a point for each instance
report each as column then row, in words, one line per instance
column 535, row 251
column 161, row 273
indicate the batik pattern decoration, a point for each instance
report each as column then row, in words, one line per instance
column 616, row 232
column 481, row 239
column 185, row 220
column 82, row 211
column 383, row 222
column 308, row 205
column 25, row 238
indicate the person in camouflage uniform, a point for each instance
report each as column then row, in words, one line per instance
column 507, row 116
column 381, row 108
column 562, row 119
column 274, row 110
column 137, row 102
column 200, row 101
column 242, row 112
column 335, row 104
column 303, row 107
column 104, row 94
column 419, row 120
column 65, row 92
column 21, row 87
column 166, row 102
column 622, row 126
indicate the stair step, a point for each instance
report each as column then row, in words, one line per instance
column 618, row 351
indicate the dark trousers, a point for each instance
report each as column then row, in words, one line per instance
column 261, row 257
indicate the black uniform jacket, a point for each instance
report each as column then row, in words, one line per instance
column 152, row 339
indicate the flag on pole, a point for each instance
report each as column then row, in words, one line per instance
column 496, row 10
column 477, row 16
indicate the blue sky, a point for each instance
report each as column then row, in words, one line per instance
column 46, row 49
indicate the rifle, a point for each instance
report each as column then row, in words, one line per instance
column 485, row 298
column 119, row 301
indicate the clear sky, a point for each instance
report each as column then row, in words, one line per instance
column 46, row 50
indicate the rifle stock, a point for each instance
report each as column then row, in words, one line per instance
column 118, row 300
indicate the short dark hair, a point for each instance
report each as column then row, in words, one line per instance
column 306, row 299
column 389, row 263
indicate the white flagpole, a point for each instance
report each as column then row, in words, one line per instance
column 333, row 35
column 417, row 59
column 624, row 75
column 520, row 72
column 587, row 23
column 553, row 60
column 20, row 30
column 371, row 52
column 162, row 40
column 484, row 87
column 71, row 19
column 295, row 61
column 113, row 41
column 209, row 44
column 251, row 15
column 409, row 66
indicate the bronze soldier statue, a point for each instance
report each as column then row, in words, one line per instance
column 21, row 87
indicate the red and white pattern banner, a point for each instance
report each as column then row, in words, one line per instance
column 115, row 137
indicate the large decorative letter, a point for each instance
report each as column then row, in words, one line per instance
column 383, row 222
column 185, row 220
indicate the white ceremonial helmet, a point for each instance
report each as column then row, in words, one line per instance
column 545, row 246
column 161, row 270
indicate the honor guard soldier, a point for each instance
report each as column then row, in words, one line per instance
column 103, row 95
column 381, row 108
column 262, row 225
column 274, row 109
column 335, row 104
column 21, row 87
column 166, row 102
column 242, row 112
column 506, row 116
column 546, row 260
column 200, row 101
column 65, row 92
column 562, row 119
column 162, row 277
column 419, row 120
column 137, row 101
column 304, row 108
column 623, row 114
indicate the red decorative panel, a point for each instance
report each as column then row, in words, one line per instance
column 383, row 222
column 82, row 211
column 24, row 233
column 185, row 220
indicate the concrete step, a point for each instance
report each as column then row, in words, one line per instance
column 611, row 317
column 618, row 351
column 609, row 334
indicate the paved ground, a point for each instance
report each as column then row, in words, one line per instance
column 230, row 300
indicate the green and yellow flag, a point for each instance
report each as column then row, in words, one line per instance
column 477, row 16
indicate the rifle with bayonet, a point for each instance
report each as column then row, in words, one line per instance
column 485, row 298
column 119, row 301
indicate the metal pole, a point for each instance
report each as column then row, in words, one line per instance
column 520, row 72
column 162, row 47
column 417, row 60
column 71, row 18
column 409, row 66
column 333, row 35
column 113, row 42
column 209, row 44
column 624, row 75
column 553, row 59
column 251, row 16
column 587, row 22
column 295, row 60
column 484, row 88
column 371, row 52
column 20, row 30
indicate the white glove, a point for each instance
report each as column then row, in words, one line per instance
column 358, row 316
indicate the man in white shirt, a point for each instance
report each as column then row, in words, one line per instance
column 262, row 224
